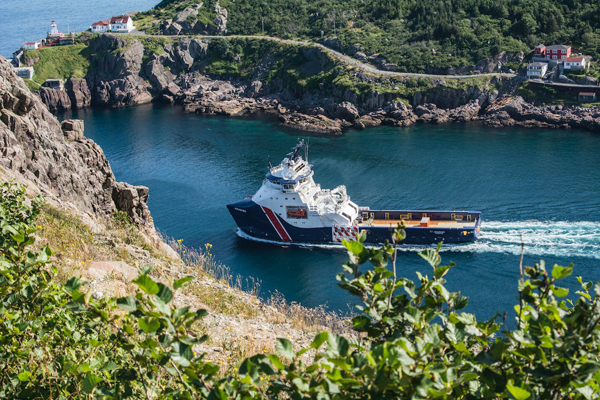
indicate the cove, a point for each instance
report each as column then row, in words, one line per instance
column 541, row 184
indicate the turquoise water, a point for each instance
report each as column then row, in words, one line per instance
column 541, row 184
column 29, row 20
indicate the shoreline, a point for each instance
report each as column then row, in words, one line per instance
column 304, row 88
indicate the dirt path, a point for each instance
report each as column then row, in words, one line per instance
column 344, row 58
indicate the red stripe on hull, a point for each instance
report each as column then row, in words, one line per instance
column 277, row 225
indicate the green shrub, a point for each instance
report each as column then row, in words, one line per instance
column 414, row 342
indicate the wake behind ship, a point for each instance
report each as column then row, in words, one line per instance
column 290, row 207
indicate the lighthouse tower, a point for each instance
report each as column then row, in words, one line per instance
column 53, row 33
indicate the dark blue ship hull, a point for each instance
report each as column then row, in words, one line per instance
column 262, row 223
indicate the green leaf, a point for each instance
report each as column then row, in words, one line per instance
column 164, row 293
column 72, row 284
column 353, row 247
column 18, row 237
column 182, row 354
column 559, row 272
column 337, row 345
column 284, row 347
column 24, row 376
column 560, row 292
column 127, row 303
column 319, row 340
column 180, row 282
column 441, row 271
column 90, row 382
column 149, row 324
column 517, row 392
column 276, row 361
column 147, row 284
column 431, row 256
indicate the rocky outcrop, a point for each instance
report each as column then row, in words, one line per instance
column 186, row 22
column 57, row 158
column 116, row 79
column 79, row 92
column 73, row 129
column 124, row 72
column 55, row 100
column 514, row 111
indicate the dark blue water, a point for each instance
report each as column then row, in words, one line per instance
column 29, row 20
column 541, row 184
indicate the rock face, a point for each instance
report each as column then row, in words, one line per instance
column 186, row 22
column 57, row 157
column 73, row 129
column 56, row 100
column 79, row 92
column 125, row 73
column 514, row 111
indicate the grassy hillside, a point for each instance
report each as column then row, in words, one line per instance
column 59, row 62
column 417, row 33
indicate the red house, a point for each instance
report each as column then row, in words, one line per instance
column 540, row 50
column 558, row 52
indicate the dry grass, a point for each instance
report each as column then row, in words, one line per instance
column 240, row 323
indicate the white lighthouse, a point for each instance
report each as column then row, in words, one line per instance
column 53, row 33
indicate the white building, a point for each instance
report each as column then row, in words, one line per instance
column 122, row 24
column 575, row 63
column 536, row 69
column 32, row 45
column 54, row 32
column 100, row 27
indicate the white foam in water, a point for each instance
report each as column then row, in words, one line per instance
column 552, row 238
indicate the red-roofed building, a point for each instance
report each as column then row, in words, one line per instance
column 575, row 63
column 100, row 27
column 32, row 45
column 122, row 23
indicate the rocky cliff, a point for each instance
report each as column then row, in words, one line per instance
column 57, row 158
column 303, row 86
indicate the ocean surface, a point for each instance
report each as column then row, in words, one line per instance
column 541, row 185
column 29, row 20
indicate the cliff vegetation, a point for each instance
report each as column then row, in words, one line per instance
column 418, row 36
column 61, row 62
column 411, row 340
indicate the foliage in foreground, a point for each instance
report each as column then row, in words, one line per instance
column 57, row 341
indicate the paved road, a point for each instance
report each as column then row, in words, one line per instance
column 346, row 59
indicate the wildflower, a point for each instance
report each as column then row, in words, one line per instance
column 83, row 262
column 39, row 227
column 264, row 351
column 220, row 362
column 194, row 353
column 228, row 357
column 179, row 240
column 261, row 378
column 228, row 328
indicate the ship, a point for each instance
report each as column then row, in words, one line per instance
column 290, row 208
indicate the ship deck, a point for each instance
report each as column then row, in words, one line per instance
column 391, row 223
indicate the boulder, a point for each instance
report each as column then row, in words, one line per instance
column 346, row 111
column 132, row 200
column 73, row 129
